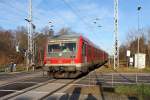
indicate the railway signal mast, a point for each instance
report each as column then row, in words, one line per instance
column 116, row 47
column 31, row 26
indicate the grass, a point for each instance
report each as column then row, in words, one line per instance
column 2, row 68
column 141, row 91
column 123, row 69
column 20, row 68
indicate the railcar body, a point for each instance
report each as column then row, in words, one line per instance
column 68, row 56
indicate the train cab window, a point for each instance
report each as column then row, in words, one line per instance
column 64, row 47
column 69, row 47
column 54, row 48
column 84, row 49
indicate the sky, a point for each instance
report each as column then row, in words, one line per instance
column 78, row 15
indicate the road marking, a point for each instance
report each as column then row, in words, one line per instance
column 38, row 92
column 28, row 82
column 11, row 90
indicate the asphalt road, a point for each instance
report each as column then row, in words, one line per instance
column 17, row 81
column 12, row 76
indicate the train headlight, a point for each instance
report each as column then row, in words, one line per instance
column 60, row 54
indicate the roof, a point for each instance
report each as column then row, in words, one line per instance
column 65, row 36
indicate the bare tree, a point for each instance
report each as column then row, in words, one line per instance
column 22, row 37
column 132, row 44
column 47, row 31
column 65, row 31
column 6, row 45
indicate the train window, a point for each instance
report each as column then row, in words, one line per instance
column 54, row 48
column 64, row 47
column 67, row 47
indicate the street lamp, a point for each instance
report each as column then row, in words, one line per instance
column 138, row 40
column 27, row 20
column 138, row 9
column 33, row 26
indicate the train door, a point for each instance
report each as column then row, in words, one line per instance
column 84, row 52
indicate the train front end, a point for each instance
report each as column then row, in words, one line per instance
column 61, row 57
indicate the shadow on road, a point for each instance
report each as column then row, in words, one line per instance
column 76, row 94
column 64, row 97
column 100, row 86
column 90, row 97
column 132, row 98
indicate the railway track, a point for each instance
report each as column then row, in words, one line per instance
column 34, row 88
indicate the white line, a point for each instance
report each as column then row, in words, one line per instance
column 11, row 90
column 27, row 82
column 38, row 92
column 82, row 85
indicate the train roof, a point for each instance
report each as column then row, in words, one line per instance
column 65, row 36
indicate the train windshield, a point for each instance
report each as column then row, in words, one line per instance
column 62, row 49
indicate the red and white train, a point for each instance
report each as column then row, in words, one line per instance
column 68, row 56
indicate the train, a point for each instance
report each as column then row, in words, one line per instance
column 72, row 55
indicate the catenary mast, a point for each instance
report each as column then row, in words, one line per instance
column 116, row 45
column 30, row 36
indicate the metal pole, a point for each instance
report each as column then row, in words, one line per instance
column 30, row 39
column 116, row 47
column 30, row 36
column 108, row 61
column 112, row 79
column 138, row 27
column 27, row 63
column 31, row 31
column 138, row 9
column 138, row 39
column 33, row 47
column 136, row 78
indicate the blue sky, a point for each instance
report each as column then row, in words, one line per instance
column 13, row 12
